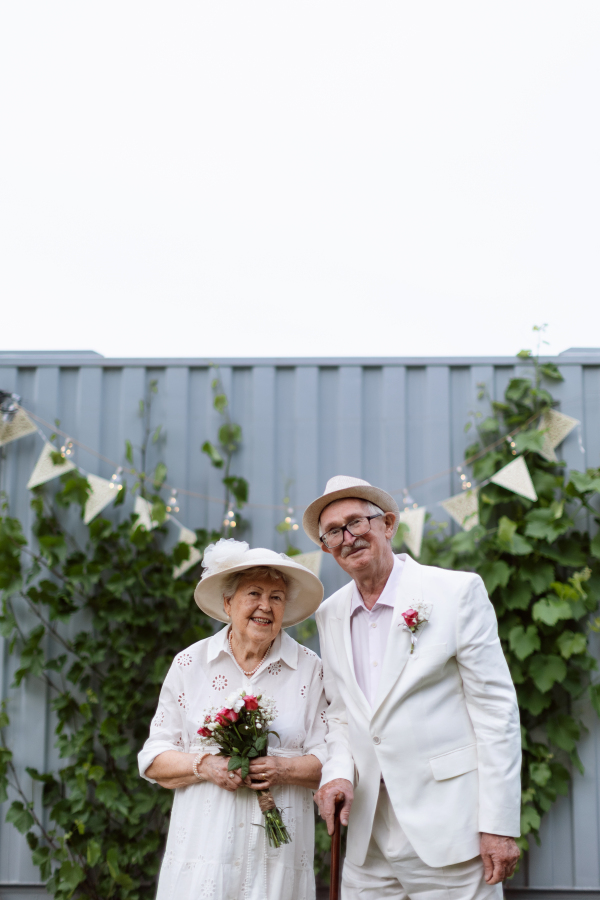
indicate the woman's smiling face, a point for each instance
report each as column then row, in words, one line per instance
column 256, row 609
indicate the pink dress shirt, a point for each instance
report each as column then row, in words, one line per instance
column 369, row 630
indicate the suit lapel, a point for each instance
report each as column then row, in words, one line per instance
column 398, row 645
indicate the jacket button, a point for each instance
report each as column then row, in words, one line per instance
column 376, row 739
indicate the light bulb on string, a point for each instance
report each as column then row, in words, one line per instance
column 229, row 520
column 66, row 449
column 116, row 478
column 464, row 481
column 511, row 444
column 172, row 502
column 408, row 502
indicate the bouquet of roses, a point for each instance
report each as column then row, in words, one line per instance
column 241, row 731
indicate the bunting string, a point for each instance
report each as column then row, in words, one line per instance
column 17, row 421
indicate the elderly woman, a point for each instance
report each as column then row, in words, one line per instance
column 216, row 847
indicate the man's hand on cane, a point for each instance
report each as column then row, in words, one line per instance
column 327, row 796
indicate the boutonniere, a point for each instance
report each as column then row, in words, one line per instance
column 413, row 619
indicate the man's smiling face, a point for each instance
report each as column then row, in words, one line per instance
column 357, row 554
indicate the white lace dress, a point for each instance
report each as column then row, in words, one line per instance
column 215, row 851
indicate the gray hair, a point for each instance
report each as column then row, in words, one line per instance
column 372, row 510
column 232, row 582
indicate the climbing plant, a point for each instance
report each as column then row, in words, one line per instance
column 541, row 567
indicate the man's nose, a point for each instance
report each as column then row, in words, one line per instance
column 348, row 538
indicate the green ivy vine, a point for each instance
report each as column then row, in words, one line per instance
column 541, row 568
column 102, row 828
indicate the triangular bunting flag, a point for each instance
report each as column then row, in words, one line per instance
column 45, row 469
column 515, row 477
column 464, row 508
column 144, row 510
column 18, row 427
column 557, row 426
column 187, row 536
column 415, row 519
column 103, row 492
column 310, row 561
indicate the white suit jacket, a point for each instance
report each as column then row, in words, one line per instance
column 444, row 731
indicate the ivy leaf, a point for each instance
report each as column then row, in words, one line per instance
column 540, row 773
column 539, row 574
column 533, row 700
column 160, row 473
column 523, row 642
column 213, row 454
column 20, row 816
column 543, row 524
column 571, row 643
column 595, row 546
column 595, row 697
column 238, row 487
column 220, row 402
column 563, row 731
column 550, row 611
column 517, row 595
column 585, row 482
column 495, row 574
column 550, row 370
column 70, row 875
column 129, row 452
column 546, row 670
column 245, row 767
column 112, row 860
column 234, row 763
column 530, row 819
column 530, row 440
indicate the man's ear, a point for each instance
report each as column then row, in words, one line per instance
column 324, row 548
column 390, row 519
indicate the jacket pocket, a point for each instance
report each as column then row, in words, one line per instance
column 457, row 762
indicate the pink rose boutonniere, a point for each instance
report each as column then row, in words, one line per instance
column 413, row 619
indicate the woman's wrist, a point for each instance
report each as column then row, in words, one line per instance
column 196, row 765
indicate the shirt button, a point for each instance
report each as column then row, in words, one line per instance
column 374, row 662
column 374, row 625
column 376, row 739
column 241, row 824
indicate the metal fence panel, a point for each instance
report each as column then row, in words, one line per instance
column 390, row 421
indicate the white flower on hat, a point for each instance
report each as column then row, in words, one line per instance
column 223, row 555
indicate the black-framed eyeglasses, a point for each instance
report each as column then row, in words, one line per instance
column 335, row 536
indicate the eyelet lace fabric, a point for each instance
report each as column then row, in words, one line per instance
column 214, row 848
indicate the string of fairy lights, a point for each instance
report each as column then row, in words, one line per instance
column 10, row 405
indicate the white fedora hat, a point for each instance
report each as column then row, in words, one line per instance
column 339, row 488
column 228, row 556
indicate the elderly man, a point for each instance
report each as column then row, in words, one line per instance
column 424, row 739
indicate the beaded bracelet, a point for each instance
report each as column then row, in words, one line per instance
column 197, row 760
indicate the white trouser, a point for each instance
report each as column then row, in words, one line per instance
column 393, row 871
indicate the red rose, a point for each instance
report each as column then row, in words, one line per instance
column 411, row 617
column 225, row 716
column 204, row 732
column 250, row 702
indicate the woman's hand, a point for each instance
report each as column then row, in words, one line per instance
column 214, row 768
column 267, row 771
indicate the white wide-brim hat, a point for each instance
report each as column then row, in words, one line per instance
column 228, row 556
column 341, row 487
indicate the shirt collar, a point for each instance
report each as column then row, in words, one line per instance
column 388, row 595
column 284, row 648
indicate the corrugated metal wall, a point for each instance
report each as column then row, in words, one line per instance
column 393, row 422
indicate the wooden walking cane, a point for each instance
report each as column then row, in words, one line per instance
column 336, row 850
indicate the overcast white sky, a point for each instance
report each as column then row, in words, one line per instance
column 299, row 179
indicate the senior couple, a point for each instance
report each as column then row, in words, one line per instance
column 411, row 719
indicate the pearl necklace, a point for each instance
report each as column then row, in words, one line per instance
column 256, row 668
